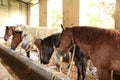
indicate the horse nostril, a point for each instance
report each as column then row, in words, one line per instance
column 44, row 61
column 13, row 48
column 5, row 39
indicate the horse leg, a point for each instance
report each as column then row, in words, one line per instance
column 28, row 54
column 104, row 74
column 79, row 72
column 116, row 75
column 28, row 51
column 79, row 68
column 58, row 67
column 84, row 64
column 111, row 74
column 39, row 56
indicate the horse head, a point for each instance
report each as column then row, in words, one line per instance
column 37, row 43
column 48, row 44
column 17, row 38
column 8, row 32
column 16, row 32
column 66, row 40
column 46, row 52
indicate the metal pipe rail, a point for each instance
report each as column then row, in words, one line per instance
column 38, row 68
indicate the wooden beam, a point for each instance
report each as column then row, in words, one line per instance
column 117, row 14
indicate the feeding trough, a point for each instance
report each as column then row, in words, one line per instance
column 41, row 70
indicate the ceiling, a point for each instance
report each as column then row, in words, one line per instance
column 29, row 1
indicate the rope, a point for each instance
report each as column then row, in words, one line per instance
column 55, row 74
column 111, row 74
column 29, row 49
column 36, row 33
column 71, row 60
column 57, row 59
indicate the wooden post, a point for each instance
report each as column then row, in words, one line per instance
column 43, row 13
column 70, row 12
column 28, row 14
column 117, row 14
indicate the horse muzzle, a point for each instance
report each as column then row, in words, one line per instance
column 13, row 48
column 5, row 39
column 44, row 61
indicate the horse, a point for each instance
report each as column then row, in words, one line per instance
column 48, row 44
column 101, row 45
column 9, row 31
column 17, row 37
column 29, row 41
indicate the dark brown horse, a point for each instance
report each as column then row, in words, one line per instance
column 16, row 39
column 101, row 45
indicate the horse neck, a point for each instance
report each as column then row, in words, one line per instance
column 56, row 41
column 50, row 41
column 13, row 30
column 86, row 47
column 38, row 44
column 17, row 36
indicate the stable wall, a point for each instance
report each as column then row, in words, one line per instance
column 42, row 32
column 12, row 12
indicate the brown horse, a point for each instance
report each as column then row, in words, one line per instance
column 17, row 36
column 27, row 43
column 16, row 39
column 37, row 42
column 101, row 45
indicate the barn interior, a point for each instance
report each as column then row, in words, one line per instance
column 44, row 17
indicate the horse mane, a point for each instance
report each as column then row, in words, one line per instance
column 92, row 35
column 51, row 40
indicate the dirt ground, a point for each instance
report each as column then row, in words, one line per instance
column 73, row 72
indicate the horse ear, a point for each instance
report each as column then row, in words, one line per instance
column 63, row 27
column 6, row 26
